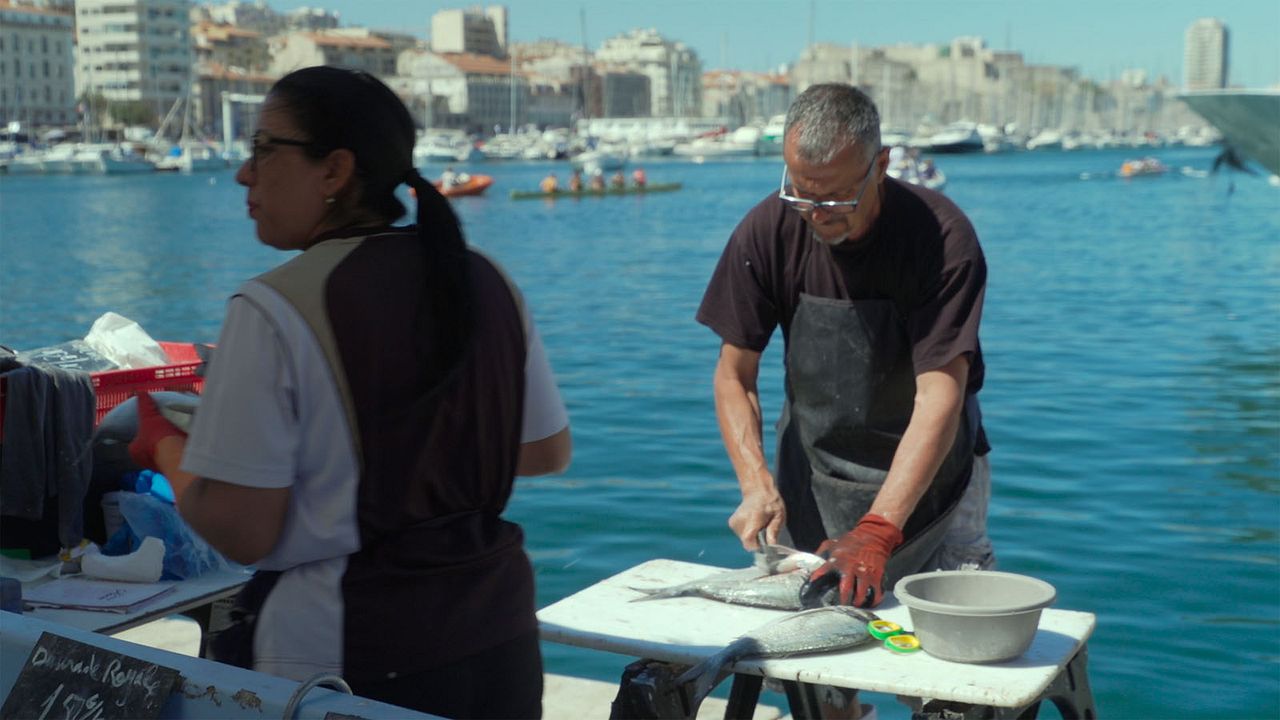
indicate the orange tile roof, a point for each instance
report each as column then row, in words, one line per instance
column 223, row 31
column 8, row 5
column 376, row 43
column 478, row 64
column 218, row 71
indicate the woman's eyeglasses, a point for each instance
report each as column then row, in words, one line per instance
column 835, row 207
column 263, row 145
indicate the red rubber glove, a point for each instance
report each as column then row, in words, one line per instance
column 152, row 428
column 859, row 558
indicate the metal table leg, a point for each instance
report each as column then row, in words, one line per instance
column 743, row 696
column 1069, row 692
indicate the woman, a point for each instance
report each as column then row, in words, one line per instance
column 369, row 406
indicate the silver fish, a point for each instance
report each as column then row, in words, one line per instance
column 823, row 629
column 777, row 586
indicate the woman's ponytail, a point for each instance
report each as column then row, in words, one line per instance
column 446, row 288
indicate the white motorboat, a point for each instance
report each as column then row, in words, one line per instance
column 957, row 137
column 111, row 160
column 739, row 143
column 57, row 160
column 191, row 157
column 436, row 146
column 30, row 162
column 1045, row 140
column 602, row 159
column 770, row 141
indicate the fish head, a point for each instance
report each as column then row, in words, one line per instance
column 798, row 560
column 859, row 614
column 823, row 592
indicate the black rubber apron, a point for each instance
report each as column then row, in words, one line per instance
column 850, row 393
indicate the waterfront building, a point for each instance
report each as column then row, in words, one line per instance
column 37, row 61
column 461, row 90
column 399, row 41
column 622, row 93
column 213, row 81
column 489, row 91
column 673, row 69
column 557, row 73
column 551, row 105
column 434, row 90
column 299, row 49
column 822, row 63
column 473, row 30
column 1205, row 55
column 230, row 46
column 256, row 16
column 312, row 19
column 138, row 52
column 740, row 97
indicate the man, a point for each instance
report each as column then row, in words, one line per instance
column 878, row 288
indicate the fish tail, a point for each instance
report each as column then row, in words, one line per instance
column 656, row 593
column 705, row 676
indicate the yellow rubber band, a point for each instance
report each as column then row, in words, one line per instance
column 902, row 643
column 881, row 629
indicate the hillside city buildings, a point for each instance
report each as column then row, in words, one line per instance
column 69, row 63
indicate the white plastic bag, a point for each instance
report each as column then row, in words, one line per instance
column 124, row 342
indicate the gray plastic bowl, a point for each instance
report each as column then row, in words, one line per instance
column 974, row 616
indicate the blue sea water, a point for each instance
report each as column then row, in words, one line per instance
column 1132, row 335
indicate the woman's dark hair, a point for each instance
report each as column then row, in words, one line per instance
column 337, row 108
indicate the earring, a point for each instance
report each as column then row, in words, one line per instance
column 329, row 201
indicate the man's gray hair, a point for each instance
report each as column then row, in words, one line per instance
column 828, row 118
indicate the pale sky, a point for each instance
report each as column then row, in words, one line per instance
column 1100, row 37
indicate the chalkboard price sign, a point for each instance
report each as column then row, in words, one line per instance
column 68, row 680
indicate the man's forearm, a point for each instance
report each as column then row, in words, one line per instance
column 925, row 444
column 920, row 453
column 739, row 416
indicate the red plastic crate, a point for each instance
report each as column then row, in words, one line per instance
column 113, row 387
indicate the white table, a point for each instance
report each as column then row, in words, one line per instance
column 686, row 630
column 194, row 598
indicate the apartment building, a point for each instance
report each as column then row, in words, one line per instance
column 673, row 69
column 624, row 94
column 294, row 50
column 256, row 16
column 473, row 30
column 140, row 51
column 37, row 66
column 1205, row 55
column 230, row 46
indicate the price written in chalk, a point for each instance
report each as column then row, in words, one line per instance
column 72, row 707
column 70, row 680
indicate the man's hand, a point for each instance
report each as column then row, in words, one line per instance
column 761, row 510
column 152, row 429
column 858, row 558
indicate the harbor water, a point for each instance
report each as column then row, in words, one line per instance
column 1132, row 338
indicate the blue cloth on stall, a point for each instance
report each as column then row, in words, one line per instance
column 48, row 424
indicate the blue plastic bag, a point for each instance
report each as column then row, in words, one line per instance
column 186, row 555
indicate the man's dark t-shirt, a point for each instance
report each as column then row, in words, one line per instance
column 922, row 254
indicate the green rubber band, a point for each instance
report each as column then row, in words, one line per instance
column 881, row 629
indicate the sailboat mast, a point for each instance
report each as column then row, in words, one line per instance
column 586, row 81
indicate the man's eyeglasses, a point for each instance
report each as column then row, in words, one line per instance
column 263, row 145
column 835, row 207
